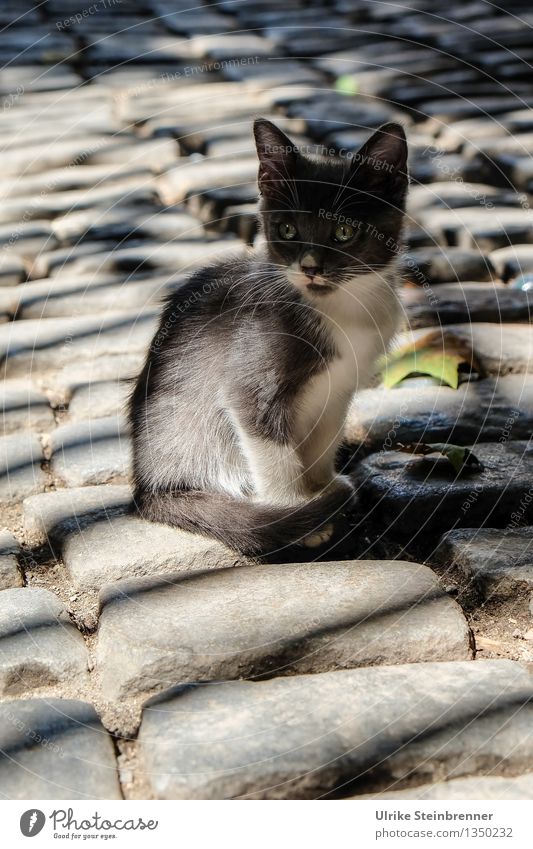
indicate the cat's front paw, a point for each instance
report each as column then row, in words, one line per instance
column 319, row 537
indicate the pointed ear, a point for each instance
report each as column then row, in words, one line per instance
column 277, row 158
column 381, row 163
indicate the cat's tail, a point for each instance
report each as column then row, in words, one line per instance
column 248, row 527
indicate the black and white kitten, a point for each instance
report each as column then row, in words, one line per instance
column 239, row 411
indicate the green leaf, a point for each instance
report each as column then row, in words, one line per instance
column 438, row 364
column 462, row 459
column 438, row 354
column 347, row 84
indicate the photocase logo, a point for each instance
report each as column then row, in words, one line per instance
column 32, row 822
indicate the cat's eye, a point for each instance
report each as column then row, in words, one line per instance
column 343, row 233
column 287, row 231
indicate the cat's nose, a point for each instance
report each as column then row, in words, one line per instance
column 309, row 265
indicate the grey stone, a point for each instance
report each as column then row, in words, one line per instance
column 464, row 302
column 66, row 180
column 24, row 241
column 87, row 294
column 38, row 78
column 10, row 574
column 512, row 261
column 52, row 343
column 172, row 256
column 223, row 46
column 52, row 516
column 91, row 452
column 448, row 166
column 55, row 749
column 500, row 348
column 196, row 176
column 156, row 154
column 34, row 159
column 12, row 269
column 275, row 620
column 333, row 113
column 307, row 735
column 39, row 646
column 486, row 787
column 110, row 548
column 59, row 203
column 106, row 398
column 417, row 496
column 477, row 411
column 438, row 265
column 24, row 408
column 479, row 227
column 21, row 455
column 122, row 47
column 63, row 260
column 499, row 563
column 61, row 384
column 454, row 195
column 150, row 222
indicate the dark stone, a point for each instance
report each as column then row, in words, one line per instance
column 413, row 496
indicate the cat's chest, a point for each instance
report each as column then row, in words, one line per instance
column 356, row 347
column 329, row 390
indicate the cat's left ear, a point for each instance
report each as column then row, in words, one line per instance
column 382, row 161
column 277, row 158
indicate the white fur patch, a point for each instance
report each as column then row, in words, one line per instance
column 361, row 319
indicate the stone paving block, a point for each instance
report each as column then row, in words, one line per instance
column 171, row 256
column 67, row 180
column 98, row 400
column 39, row 646
column 499, row 563
column 305, row 736
column 477, row 411
column 38, row 79
column 52, row 516
column 150, row 221
column 275, row 620
column 55, row 749
column 455, row 195
column 501, row 349
column 464, row 302
column 21, row 455
column 24, row 408
column 25, row 241
column 156, row 154
column 479, row 227
column 493, row 787
column 417, row 496
column 61, row 384
column 190, row 177
column 37, row 158
column 513, row 261
column 106, row 550
column 52, row 204
column 12, row 269
column 37, row 345
column 91, row 452
column 10, row 574
column 88, row 294
column 439, row 265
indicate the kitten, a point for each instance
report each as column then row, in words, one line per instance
column 239, row 410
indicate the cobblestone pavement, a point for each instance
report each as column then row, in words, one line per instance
column 398, row 666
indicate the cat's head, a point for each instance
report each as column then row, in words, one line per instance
column 329, row 219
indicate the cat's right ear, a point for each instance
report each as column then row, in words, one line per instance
column 277, row 158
